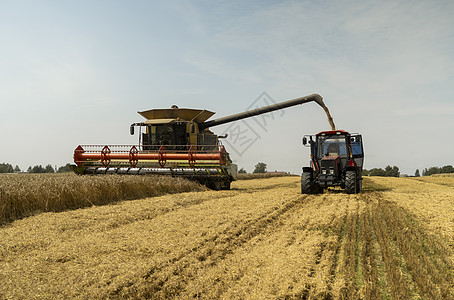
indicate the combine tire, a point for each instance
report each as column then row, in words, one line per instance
column 217, row 185
column 226, row 185
column 306, row 183
column 350, row 182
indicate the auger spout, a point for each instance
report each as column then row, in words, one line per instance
column 258, row 111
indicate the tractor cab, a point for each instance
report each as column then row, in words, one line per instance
column 331, row 153
column 334, row 155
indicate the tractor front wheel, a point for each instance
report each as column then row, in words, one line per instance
column 350, row 182
column 306, row 183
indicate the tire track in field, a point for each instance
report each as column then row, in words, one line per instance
column 326, row 261
column 380, row 251
column 294, row 227
column 383, row 252
column 265, row 187
column 178, row 203
column 269, row 232
column 99, row 218
column 421, row 258
column 170, row 278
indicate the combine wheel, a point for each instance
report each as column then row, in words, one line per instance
column 217, row 185
column 226, row 185
column 351, row 183
column 306, row 183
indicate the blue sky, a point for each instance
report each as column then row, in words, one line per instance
column 76, row 72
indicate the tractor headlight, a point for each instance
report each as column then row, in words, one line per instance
column 331, row 171
column 324, row 171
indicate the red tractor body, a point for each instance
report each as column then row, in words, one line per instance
column 337, row 158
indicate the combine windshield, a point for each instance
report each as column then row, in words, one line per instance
column 173, row 135
column 332, row 146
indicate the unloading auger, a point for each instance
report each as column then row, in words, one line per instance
column 176, row 142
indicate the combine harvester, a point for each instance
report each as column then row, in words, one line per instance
column 176, row 142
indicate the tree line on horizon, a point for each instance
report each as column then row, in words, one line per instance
column 387, row 172
column 260, row 167
column 394, row 171
column 8, row 168
column 437, row 170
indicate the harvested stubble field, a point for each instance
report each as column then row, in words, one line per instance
column 247, row 176
column 262, row 239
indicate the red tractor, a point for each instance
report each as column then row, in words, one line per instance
column 337, row 159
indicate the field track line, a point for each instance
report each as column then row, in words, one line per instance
column 212, row 249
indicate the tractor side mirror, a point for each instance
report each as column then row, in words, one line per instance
column 131, row 130
column 304, row 140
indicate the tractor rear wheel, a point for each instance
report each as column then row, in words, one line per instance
column 350, row 182
column 359, row 185
column 306, row 183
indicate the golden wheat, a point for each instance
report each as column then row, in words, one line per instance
column 260, row 240
column 443, row 175
column 23, row 195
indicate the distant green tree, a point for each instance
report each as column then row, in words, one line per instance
column 16, row 169
column 392, row 171
column 37, row 169
column 417, row 173
column 260, row 168
column 447, row 169
column 242, row 170
column 395, row 171
column 437, row 170
column 431, row 171
column 49, row 169
column 41, row 169
column 377, row 172
column 65, row 168
column 6, row 168
column 365, row 172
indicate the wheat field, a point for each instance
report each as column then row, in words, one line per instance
column 260, row 240
column 23, row 195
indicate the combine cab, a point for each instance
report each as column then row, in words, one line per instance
column 176, row 142
column 336, row 160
